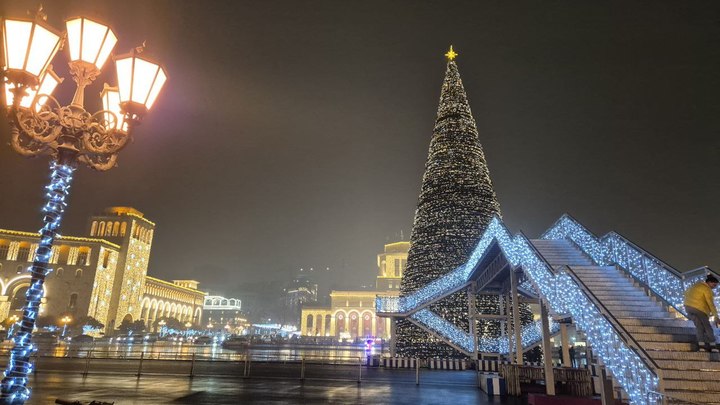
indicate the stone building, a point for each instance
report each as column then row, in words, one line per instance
column 103, row 275
column 351, row 314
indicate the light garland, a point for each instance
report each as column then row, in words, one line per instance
column 613, row 249
column 14, row 383
column 559, row 290
column 530, row 335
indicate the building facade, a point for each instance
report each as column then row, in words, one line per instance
column 220, row 313
column 351, row 314
column 179, row 299
column 103, row 275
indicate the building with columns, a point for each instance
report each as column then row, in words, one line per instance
column 102, row 275
column 351, row 314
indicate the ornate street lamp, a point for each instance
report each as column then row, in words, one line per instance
column 70, row 135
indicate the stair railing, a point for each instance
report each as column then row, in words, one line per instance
column 661, row 279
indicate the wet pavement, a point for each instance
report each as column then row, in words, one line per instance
column 437, row 388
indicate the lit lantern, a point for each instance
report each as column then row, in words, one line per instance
column 48, row 83
column 89, row 41
column 139, row 82
column 29, row 47
column 111, row 102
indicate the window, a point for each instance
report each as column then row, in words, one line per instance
column 123, row 228
column 4, row 251
column 19, row 269
column 73, row 301
column 60, row 272
column 116, row 228
column 101, row 230
column 310, row 321
column 78, row 273
column 82, row 258
column 108, row 229
column 23, row 254
column 93, row 228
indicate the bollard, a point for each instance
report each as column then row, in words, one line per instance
column 192, row 366
column 142, row 356
column 302, row 369
column 359, row 369
column 87, row 363
column 417, row 372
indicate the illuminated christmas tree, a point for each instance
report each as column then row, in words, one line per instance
column 456, row 203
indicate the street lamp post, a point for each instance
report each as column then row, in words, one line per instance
column 162, row 327
column 65, row 320
column 70, row 135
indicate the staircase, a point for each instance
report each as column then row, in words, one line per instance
column 665, row 337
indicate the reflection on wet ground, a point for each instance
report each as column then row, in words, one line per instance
column 220, row 391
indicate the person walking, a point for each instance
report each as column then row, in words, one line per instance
column 700, row 305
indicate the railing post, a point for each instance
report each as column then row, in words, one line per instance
column 248, row 359
column 359, row 369
column 87, row 363
column 477, row 372
column 302, row 369
column 192, row 366
column 142, row 356
column 417, row 371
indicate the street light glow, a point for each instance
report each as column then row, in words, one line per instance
column 89, row 41
column 29, row 47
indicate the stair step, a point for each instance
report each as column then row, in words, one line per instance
column 661, row 330
column 640, row 307
column 694, row 396
column 684, row 356
column 657, row 314
column 687, row 365
column 710, row 384
column 654, row 337
column 675, row 322
column 665, row 346
column 697, row 375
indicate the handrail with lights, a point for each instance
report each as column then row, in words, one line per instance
column 563, row 296
column 665, row 282
column 40, row 125
column 530, row 335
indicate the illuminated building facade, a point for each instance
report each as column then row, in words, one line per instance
column 351, row 314
column 223, row 313
column 103, row 276
column 179, row 299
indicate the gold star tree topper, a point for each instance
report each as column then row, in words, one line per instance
column 451, row 54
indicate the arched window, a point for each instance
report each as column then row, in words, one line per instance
column 78, row 273
column 123, row 228
column 108, row 228
column 19, row 269
column 309, row 322
column 73, row 301
column 60, row 272
column 101, row 229
column 93, row 228
column 116, row 229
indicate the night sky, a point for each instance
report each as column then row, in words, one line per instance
column 294, row 134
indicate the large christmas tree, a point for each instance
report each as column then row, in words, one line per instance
column 456, row 203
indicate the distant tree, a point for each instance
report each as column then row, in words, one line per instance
column 78, row 326
column 128, row 326
column 170, row 323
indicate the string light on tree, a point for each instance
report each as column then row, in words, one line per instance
column 456, row 203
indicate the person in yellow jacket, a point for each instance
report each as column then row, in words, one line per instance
column 700, row 305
